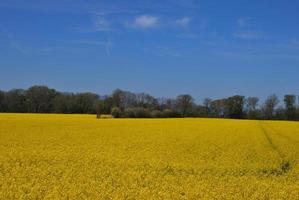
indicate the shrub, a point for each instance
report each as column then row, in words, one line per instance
column 129, row 113
column 167, row 113
column 137, row 113
column 116, row 112
column 156, row 114
column 105, row 116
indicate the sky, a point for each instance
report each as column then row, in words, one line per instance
column 206, row 48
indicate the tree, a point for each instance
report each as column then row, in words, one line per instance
column 146, row 101
column 280, row 113
column 65, row 103
column 99, row 108
column 104, row 105
column 207, row 106
column 185, row 103
column 16, row 101
column 201, row 111
column 218, row 108
column 124, row 99
column 86, row 102
column 2, row 102
column 251, row 107
column 290, row 107
column 39, row 99
column 251, row 103
column 166, row 103
column 269, row 106
column 117, row 97
column 235, row 106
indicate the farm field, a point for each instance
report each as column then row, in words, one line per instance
column 80, row 157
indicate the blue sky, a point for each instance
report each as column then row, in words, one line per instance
column 203, row 47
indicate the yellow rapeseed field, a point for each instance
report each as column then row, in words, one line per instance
column 81, row 157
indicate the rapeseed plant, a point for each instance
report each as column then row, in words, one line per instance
column 81, row 157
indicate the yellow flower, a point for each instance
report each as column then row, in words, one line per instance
column 80, row 157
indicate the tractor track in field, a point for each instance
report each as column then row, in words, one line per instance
column 271, row 143
column 284, row 136
column 285, row 165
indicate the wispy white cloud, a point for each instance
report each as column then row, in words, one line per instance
column 11, row 42
column 101, row 24
column 243, row 21
column 189, row 35
column 108, row 46
column 294, row 42
column 245, row 32
column 183, row 22
column 88, row 42
column 164, row 51
column 145, row 22
column 16, row 46
column 249, row 35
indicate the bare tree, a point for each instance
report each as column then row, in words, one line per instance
column 218, row 108
column 251, row 103
column 251, row 107
column 184, row 104
column 207, row 106
column 269, row 106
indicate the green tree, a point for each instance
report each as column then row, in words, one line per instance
column 16, row 101
column 290, row 106
column 2, row 102
column 39, row 99
column 65, row 103
column 86, row 102
column 235, row 106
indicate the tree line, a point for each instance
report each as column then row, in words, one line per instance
column 41, row 99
